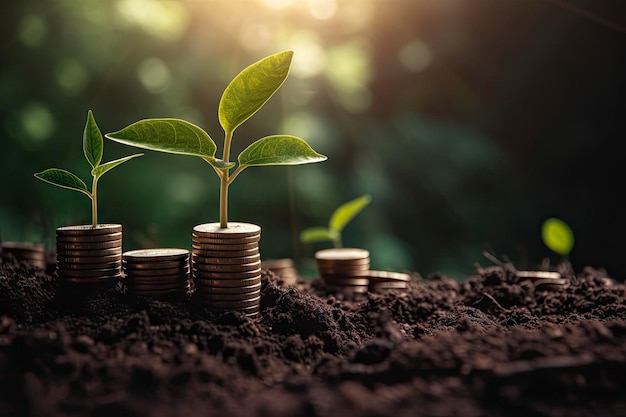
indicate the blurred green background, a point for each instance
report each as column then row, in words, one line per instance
column 468, row 121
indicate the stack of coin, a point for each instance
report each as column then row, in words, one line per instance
column 344, row 268
column 32, row 253
column 226, row 266
column 282, row 268
column 387, row 280
column 161, row 272
column 89, row 255
column 544, row 280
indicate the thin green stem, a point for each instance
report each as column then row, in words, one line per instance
column 237, row 172
column 224, row 182
column 94, row 202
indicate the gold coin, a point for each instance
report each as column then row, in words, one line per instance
column 228, row 283
column 159, row 254
column 89, row 245
column 388, row 276
column 88, row 230
column 155, row 272
column 227, row 267
column 550, row 284
column 224, row 247
column 168, row 279
column 89, row 273
column 88, row 259
column 91, row 280
column 94, row 253
column 535, row 275
column 82, row 267
column 197, row 252
column 133, row 266
column 243, row 260
column 90, row 239
column 399, row 285
column 158, row 293
column 230, row 290
column 345, row 271
column 282, row 263
column 226, row 275
column 235, row 230
column 341, row 254
column 162, row 286
column 229, row 297
column 251, row 302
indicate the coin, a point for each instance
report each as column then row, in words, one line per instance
column 84, row 229
column 199, row 240
column 534, row 275
column 226, row 275
column 226, row 267
column 157, row 287
column 95, row 265
column 242, row 260
column 88, row 273
column 225, row 247
column 89, row 245
column 550, row 284
column 231, row 290
column 234, row 230
column 90, row 280
column 251, row 302
column 341, row 254
column 89, row 238
column 155, row 272
column 199, row 252
column 228, row 283
column 157, row 293
column 94, row 253
column 133, row 266
column 345, row 271
column 160, row 254
column 88, row 259
column 230, row 297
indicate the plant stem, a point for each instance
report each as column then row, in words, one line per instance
column 94, row 202
column 224, row 182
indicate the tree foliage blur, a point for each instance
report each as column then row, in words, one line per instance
column 468, row 121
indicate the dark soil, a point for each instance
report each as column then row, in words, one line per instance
column 488, row 346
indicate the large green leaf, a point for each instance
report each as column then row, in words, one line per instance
column 557, row 236
column 101, row 169
column 347, row 211
column 167, row 135
column 279, row 150
column 63, row 178
column 252, row 88
column 317, row 234
column 92, row 141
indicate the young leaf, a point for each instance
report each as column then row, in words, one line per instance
column 167, row 135
column 317, row 234
column 63, row 178
column 346, row 212
column 92, row 141
column 279, row 150
column 252, row 88
column 101, row 169
column 557, row 236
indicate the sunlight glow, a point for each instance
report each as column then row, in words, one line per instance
column 322, row 9
column 255, row 37
column 154, row 75
column 31, row 30
column 349, row 71
column 38, row 123
column 415, row 56
column 309, row 58
column 166, row 20
column 71, row 75
column 278, row 4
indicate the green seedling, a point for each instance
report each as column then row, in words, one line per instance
column 338, row 221
column 93, row 147
column 557, row 236
column 241, row 99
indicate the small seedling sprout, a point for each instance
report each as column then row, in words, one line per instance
column 338, row 221
column 557, row 236
column 242, row 98
column 93, row 148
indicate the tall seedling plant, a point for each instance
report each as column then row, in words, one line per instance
column 242, row 98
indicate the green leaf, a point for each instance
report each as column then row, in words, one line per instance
column 317, row 234
column 279, row 150
column 347, row 211
column 101, row 169
column 63, row 178
column 92, row 141
column 557, row 236
column 167, row 135
column 252, row 88
column 219, row 163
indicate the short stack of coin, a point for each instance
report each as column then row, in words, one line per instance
column 89, row 255
column 544, row 280
column 282, row 268
column 161, row 272
column 32, row 253
column 226, row 266
column 345, row 269
column 388, row 280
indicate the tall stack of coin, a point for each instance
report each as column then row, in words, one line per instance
column 226, row 266
column 388, row 280
column 87, row 254
column 344, row 268
column 161, row 272
column 32, row 253
column 283, row 268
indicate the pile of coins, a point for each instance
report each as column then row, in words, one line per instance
column 345, row 269
column 160, row 273
column 226, row 266
column 89, row 255
column 32, row 253
column 282, row 268
column 544, row 280
column 387, row 280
